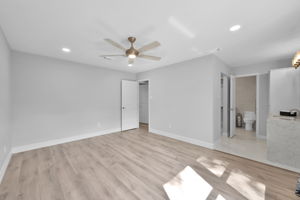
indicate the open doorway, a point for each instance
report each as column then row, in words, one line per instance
column 144, row 104
column 244, row 119
column 246, row 106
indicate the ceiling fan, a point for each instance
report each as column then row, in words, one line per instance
column 132, row 52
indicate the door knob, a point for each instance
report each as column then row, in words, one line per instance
column 123, row 108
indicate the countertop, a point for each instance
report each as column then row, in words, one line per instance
column 284, row 119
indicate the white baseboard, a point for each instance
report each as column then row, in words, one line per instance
column 182, row 138
column 38, row 145
column 5, row 165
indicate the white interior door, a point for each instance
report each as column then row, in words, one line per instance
column 232, row 106
column 130, row 104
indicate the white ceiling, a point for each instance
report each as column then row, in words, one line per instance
column 186, row 29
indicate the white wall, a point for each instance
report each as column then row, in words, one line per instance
column 185, row 98
column 5, row 95
column 284, row 90
column 261, row 68
column 143, row 101
column 263, row 103
column 55, row 99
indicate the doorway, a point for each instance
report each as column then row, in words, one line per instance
column 144, row 104
column 248, row 97
column 135, row 104
column 246, row 106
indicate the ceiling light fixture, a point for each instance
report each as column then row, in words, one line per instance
column 130, row 65
column 132, row 56
column 296, row 60
column 235, row 28
column 66, row 50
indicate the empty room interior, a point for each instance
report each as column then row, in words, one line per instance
column 174, row 100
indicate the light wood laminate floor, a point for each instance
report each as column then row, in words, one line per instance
column 135, row 165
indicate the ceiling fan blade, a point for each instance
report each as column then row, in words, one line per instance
column 111, row 55
column 115, row 44
column 149, row 57
column 131, row 61
column 148, row 47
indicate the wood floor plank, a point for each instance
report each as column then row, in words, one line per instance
column 48, row 180
column 135, row 165
column 29, row 175
column 131, row 174
column 12, row 174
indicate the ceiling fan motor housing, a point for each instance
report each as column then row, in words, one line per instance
column 132, row 50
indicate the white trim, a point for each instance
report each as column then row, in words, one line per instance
column 232, row 93
column 251, row 74
column 5, row 165
column 38, row 145
column 182, row 138
column 257, row 111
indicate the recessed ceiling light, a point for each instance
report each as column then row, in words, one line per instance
column 235, row 28
column 66, row 50
column 130, row 65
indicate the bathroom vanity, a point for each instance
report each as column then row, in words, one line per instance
column 283, row 140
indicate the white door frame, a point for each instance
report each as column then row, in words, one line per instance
column 257, row 114
column 228, row 103
column 149, row 101
column 232, row 94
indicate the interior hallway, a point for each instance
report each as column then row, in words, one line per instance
column 136, row 164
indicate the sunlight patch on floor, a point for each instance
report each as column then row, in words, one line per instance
column 215, row 166
column 247, row 187
column 187, row 185
column 220, row 197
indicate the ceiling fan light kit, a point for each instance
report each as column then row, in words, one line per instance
column 132, row 53
column 296, row 60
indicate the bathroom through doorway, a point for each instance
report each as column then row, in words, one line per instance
column 244, row 111
column 245, row 105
